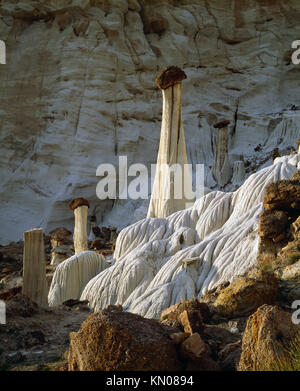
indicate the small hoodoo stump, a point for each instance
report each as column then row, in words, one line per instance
column 80, row 207
column 34, row 268
column 221, row 169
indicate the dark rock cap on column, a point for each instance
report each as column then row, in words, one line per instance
column 222, row 124
column 169, row 76
column 78, row 202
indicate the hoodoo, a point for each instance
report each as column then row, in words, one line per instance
column 238, row 175
column 34, row 268
column 221, row 170
column 73, row 274
column 172, row 184
column 80, row 207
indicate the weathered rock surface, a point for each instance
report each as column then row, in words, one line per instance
column 112, row 340
column 283, row 195
column 268, row 334
column 279, row 226
column 272, row 223
column 188, row 314
column 78, row 91
column 60, row 236
column 193, row 346
column 244, row 294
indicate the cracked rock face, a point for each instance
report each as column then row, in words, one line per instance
column 78, row 90
column 268, row 333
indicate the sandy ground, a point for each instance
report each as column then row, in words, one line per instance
column 33, row 338
column 37, row 339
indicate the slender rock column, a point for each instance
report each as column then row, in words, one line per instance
column 34, row 268
column 221, row 169
column 238, row 175
column 80, row 207
column 172, row 182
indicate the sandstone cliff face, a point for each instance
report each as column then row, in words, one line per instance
column 78, row 90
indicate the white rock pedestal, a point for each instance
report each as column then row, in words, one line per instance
column 80, row 207
column 221, row 169
column 238, row 175
column 80, row 229
column 172, row 181
column 34, row 267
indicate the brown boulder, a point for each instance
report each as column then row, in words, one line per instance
column 229, row 356
column 59, row 234
column 272, row 223
column 187, row 315
column 245, row 294
column 268, row 333
column 113, row 340
column 178, row 337
column 193, row 346
column 283, row 195
column 204, row 363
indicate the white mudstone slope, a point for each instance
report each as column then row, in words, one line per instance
column 160, row 261
column 73, row 274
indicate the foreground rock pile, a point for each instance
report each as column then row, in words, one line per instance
column 115, row 340
column 213, row 334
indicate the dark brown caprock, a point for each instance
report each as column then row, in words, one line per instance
column 169, row 76
column 78, row 202
column 222, row 124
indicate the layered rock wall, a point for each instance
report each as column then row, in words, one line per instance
column 78, row 90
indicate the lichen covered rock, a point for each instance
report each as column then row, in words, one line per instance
column 268, row 333
column 272, row 223
column 245, row 294
column 113, row 340
column 283, row 195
